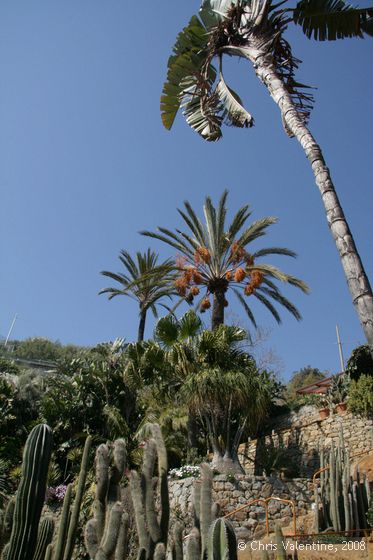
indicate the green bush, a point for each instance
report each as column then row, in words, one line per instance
column 360, row 362
column 361, row 396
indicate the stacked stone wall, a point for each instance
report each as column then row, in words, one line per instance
column 232, row 494
column 302, row 434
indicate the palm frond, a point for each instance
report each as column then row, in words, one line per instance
column 243, row 302
column 277, row 296
column 180, row 246
column 328, row 20
column 268, row 305
column 255, row 230
column 196, row 221
column 274, row 251
column 284, row 277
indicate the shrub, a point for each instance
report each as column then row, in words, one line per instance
column 361, row 396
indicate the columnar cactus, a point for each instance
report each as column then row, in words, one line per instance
column 104, row 534
column 30, row 494
column 344, row 501
column 222, row 542
column 152, row 528
column 45, row 536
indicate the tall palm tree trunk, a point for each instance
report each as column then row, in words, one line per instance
column 218, row 309
column 141, row 331
column 357, row 279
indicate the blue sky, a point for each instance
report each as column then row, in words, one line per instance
column 85, row 164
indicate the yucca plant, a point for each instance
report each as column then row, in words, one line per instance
column 214, row 260
column 254, row 30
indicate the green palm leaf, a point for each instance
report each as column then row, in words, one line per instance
column 328, row 20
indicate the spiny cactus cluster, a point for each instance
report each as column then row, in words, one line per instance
column 107, row 533
column 341, row 501
column 23, row 536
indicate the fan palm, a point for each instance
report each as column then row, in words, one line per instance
column 213, row 260
column 253, row 30
column 145, row 281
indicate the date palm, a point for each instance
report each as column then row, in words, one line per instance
column 213, row 260
column 145, row 281
column 254, row 30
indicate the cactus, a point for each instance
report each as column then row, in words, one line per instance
column 206, row 505
column 177, row 541
column 280, row 549
column 63, row 525
column 31, row 494
column 222, row 541
column 194, row 545
column 45, row 535
column 105, row 533
column 344, row 501
column 152, row 528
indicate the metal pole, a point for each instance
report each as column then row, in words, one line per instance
column 11, row 328
column 340, row 349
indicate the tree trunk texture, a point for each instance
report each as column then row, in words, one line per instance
column 357, row 279
column 226, row 464
column 218, row 309
column 141, row 331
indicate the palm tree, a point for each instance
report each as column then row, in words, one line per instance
column 213, row 260
column 253, row 30
column 145, row 281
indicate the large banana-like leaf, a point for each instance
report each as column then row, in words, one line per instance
column 212, row 12
column 332, row 19
column 183, row 67
column 201, row 115
column 233, row 112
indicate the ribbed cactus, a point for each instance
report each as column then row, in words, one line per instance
column 104, row 534
column 222, row 542
column 152, row 527
column 45, row 536
column 30, row 494
column 344, row 501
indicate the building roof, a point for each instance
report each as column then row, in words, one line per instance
column 318, row 387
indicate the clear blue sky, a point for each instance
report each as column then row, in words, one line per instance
column 85, row 164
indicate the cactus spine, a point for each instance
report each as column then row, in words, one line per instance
column 30, row 494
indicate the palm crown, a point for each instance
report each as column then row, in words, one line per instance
column 214, row 259
column 233, row 27
column 145, row 281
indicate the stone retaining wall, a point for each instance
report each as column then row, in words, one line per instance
column 303, row 433
column 231, row 494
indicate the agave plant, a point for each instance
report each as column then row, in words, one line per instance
column 254, row 30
